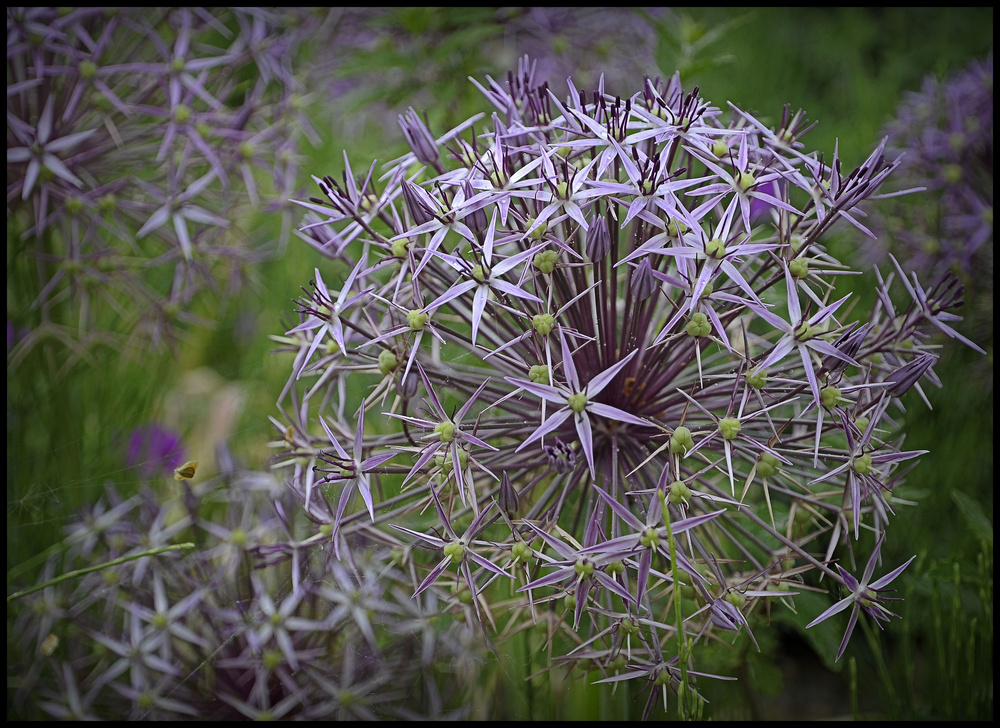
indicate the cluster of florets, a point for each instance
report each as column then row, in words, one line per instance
column 234, row 628
column 134, row 137
column 944, row 135
column 588, row 351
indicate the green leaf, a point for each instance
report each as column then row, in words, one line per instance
column 974, row 516
column 825, row 637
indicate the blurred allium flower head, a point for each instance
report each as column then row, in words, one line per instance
column 240, row 627
column 565, row 40
column 387, row 58
column 944, row 136
column 590, row 348
column 134, row 139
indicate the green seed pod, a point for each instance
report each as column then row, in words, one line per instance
column 107, row 203
column 863, row 464
column 768, row 465
column 676, row 227
column 539, row 374
column 417, row 319
column 521, row 551
column 615, row 568
column 799, row 267
column 699, row 325
column 539, row 231
column 729, row 427
column 736, row 598
column 399, row 247
column 543, row 323
column 829, row 396
column 387, row 362
column 715, row 248
column 455, row 550
column 679, row 493
column 546, row 261
column 88, row 69
column 629, row 625
column 445, row 431
column 681, row 441
column 757, row 379
column 74, row 205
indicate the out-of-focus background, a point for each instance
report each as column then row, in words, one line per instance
column 84, row 412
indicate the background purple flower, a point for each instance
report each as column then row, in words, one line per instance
column 943, row 135
column 154, row 450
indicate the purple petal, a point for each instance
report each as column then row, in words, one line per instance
column 602, row 380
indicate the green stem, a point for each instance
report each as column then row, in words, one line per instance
column 678, row 613
column 89, row 569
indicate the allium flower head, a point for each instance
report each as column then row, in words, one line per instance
column 633, row 309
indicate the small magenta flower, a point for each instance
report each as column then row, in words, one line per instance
column 802, row 334
column 155, row 450
column 324, row 313
column 580, row 567
column 864, row 595
column 865, row 466
column 485, row 277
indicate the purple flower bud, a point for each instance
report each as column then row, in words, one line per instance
column 725, row 615
column 848, row 344
column 418, row 203
column 561, row 456
column 598, row 239
column 758, row 207
column 476, row 220
column 407, row 386
column 419, row 137
column 903, row 379
column 508, row 497
column 643, row 280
